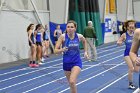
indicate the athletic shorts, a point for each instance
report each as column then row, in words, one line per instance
column 30, row 43
column 39, row 43
column 126, row 52
column 69, row 66
column 46, row 39
column 55, row 38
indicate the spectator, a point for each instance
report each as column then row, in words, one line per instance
column 90, row 35
column 57, row 33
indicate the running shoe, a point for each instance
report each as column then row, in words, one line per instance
column 43, row 59
column 40, row 63
column 35, row 65
column 131, row 86
column 30, row 65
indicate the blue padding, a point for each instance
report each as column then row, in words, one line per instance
column 52, row 29
column 103, row 30
column 138, row 24
column 118, row 23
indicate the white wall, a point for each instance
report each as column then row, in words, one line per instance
column 102, row 9
column 13, row 24
column 121, row 10
column 137, row 10
column 58, row 10
column 26, row 4
column 13, row 35
column 124, row 10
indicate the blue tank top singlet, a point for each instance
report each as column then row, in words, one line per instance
column 73, row 53
column 38, row 37
column 32, row 38
column 45, row 36
column 128, row 43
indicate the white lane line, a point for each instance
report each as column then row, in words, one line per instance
column 136, row 91
column 83, row 66
column 44, row 63
column 109, row 53
column 59, row 70
column 43, row 69
column 98, row 58
column 27, row 67
column 112, row 64
column 112, row 83
column 93, row 77
column 26, row 73
column 29, row 80
column 110, row 49
column 114, row 45
column 64, row 76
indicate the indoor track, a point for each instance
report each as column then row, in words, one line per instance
column 107, row 75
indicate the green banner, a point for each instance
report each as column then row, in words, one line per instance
column 83, row 11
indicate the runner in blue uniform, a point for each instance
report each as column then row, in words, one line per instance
column 72, row 63
column 39, row 39
column 127, row 38
column 134, row 51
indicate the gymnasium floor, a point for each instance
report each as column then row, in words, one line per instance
column 107, row 75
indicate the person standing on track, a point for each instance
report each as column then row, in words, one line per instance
column 134, row 51
column 32, row 45
column 127, row 39
column 45, row 43
column 72, row 62
column 39, row 39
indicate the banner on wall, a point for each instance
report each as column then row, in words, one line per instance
column 112, row 6
column 106, row 7
column 108, row 25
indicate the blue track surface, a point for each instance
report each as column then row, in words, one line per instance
column 107, row 75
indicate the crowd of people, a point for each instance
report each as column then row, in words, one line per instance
column 39, row 44
column 68, row 44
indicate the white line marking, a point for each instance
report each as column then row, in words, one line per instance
column 64, row 76
column 45, row 63
column 60, row 63
column 136, row 91
column 92, row 77
column 112, row 83
column 42, row 69
column 29, row 80
column 27, row 67
column 109, row 49
column 104, row 65
column 59, row 70
column 27, row 73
